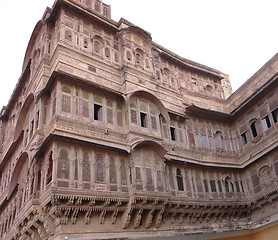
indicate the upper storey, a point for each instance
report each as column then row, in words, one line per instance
column 82, row 48
column 86, row 27
column 95, row 5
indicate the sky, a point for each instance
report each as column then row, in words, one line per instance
column 236, row 37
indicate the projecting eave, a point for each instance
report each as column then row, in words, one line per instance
column 194, row 110
column 257, row 94
column 186, row 62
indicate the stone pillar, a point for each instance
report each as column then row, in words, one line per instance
column 71, row 168
column 55, row 165
column 118, row 172
column 36, row 179
column 80, row 168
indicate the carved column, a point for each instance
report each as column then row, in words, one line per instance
column 118, row 172
column 36, row 179
column 79, row 162
column 41, row 115
column 71, row 167
column 92, row 157
column 55, row 165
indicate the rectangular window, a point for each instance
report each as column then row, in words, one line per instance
column 213, row 185
column 237, row 186
column 97, row 112
column 137, row 173
column 218, row 141
column 275, row 115
column 181, row 135
column 66, row 103
column 149, row 176
column 133, row 116
column 242, row 186
column 254, row 129
column 153, row 121
column 173, row 133
column 265, row 123
column 211, row 142
column 206, row 185
column 228, row 144
column 143, row 119
column 85, row 109
column 205, row 141
column 245, row 137
column 219, row 186
column 198, row 140
column 109, row 115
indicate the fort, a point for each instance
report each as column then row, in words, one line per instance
column 108, row 135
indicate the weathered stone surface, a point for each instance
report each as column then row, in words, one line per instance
column 110, row 136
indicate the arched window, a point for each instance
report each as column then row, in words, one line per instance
column 157, row 75
column 100, row 169
column 63, row 165
column 86, row 168
column 166, row 78
column 227, row 188
column 179, row 180
column 218, row 139
column 68, row 35
column 208, row 88
column 97, row 47
column 138, row 58
column 147, row 63
column 107, row 52
column 265, row 174
column 66, row 100
column 128, row 56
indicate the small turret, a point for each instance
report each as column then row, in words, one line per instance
column 98, row 6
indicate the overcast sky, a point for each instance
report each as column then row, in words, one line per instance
column 236, row 37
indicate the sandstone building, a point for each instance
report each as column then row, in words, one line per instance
column 108, row 135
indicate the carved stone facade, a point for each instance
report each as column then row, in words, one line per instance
column 108, row 135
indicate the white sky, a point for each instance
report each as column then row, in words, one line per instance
column 234, row 36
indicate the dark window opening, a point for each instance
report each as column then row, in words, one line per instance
column 227, row 186
column 179, row 180
column 173, row 133
column 242, row 186
column 254, row 129
column 97, row 112
column 49, row 170
column 85, row 44
column 218, row 140
column 143, row 119
column 265, row 123
column 244, row 137
column 237, row 186
column 213, row 185
column 37, row 119
column 232, row 186
column 219, row 186
column 275, row 115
